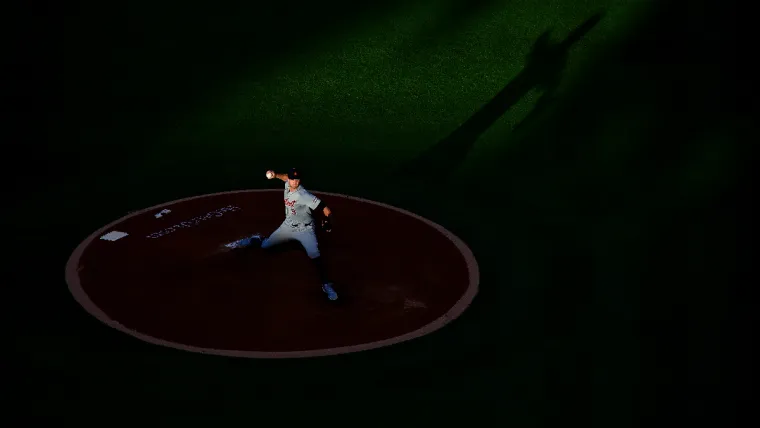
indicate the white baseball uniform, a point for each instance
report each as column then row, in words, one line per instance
column 299, row 222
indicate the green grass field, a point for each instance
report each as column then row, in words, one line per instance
column 369, row 94
column 598, row 206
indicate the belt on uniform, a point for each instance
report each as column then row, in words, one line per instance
column 295, row 225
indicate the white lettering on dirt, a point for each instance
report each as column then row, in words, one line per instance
column 195, row 221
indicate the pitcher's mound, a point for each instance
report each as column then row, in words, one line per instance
column 163, row 275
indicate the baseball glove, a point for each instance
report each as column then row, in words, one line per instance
column 326, row 224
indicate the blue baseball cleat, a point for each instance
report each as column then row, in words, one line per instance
column 331, row 294
column 245, row 242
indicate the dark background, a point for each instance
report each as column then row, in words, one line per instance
column 611, row 289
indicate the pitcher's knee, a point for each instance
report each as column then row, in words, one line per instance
column 265, row 243
column 313, row 254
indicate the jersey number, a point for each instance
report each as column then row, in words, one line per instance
column 293, row 211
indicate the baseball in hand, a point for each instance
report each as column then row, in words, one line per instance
column 270, row 175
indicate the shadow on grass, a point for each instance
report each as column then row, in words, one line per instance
column 543, row 68
column 616, row 214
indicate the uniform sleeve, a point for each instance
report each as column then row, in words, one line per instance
column 310, row 200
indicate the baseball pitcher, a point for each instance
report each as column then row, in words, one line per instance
column 298, row 225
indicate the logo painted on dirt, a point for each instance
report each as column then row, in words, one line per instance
column 195, row 221
column 113, row 236
column 162, row 213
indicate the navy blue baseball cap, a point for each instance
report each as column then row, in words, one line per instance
column 294, row 174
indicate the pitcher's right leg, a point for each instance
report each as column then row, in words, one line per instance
column 245, row 242
column 282, row 234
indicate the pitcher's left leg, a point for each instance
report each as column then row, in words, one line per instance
column 308, row 240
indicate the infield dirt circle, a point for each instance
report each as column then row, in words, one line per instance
column 169, row 281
